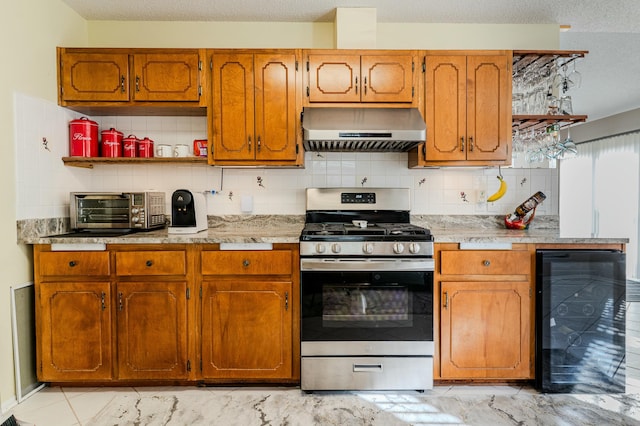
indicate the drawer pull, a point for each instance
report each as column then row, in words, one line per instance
column 149, row 263
column 73, row 263
column 246, row 263
column 486, row 263
column 369, row 368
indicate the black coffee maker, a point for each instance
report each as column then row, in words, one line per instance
column 188, row 212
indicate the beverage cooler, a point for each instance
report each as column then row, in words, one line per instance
column 580, row 321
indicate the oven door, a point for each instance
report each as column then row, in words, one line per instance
column 368, row 305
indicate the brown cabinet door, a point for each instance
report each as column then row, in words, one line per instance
column 166, row 77
column 94, row 76
column 488, row 107
column 334, row 78
column 246, row 329
column 387, row 78
column 445, row 107
column 233, row 107
column 275, row 95
column 152, row 330
column 485, row 330
column 74, row 331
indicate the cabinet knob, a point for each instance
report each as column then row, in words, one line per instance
column 486, row 263
column 246, row 263
column 149, row 263
column 72, row 263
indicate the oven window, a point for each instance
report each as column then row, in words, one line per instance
column 365, row 306
column 103, row 210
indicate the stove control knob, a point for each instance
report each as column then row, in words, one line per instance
column 320, row 248
column 335, row 247
column 367, row 248
column 414, row 248
column 398, row 248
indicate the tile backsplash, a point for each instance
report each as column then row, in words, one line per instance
column 44, row 182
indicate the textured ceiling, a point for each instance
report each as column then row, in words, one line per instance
column 582, row 15
column 608, row 29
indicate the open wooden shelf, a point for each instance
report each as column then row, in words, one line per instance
column 88, row 162
column 529, row 122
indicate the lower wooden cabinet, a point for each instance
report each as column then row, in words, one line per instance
column 74, row 331
column 180, row 313
column 152, row 330
column 247, row 329
column 484, row 312
column 485, row 330
column 250, row 314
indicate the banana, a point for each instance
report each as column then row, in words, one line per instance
column 500, row 192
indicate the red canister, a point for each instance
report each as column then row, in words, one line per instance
column 111, row 143
column 145, row 148
column 83, row 138
column 130, row 146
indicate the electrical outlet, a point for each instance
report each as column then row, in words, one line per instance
column 481, row 196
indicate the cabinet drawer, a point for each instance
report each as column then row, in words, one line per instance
column 485, row 262
column 74, row 263
column 151, row 263
column 276, row 262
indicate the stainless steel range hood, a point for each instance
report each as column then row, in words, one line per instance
column 362, row 129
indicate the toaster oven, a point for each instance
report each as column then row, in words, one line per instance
column 117, row 210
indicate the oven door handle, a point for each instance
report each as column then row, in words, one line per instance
column 360, row 264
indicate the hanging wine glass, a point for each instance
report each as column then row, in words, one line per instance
column 569, row 148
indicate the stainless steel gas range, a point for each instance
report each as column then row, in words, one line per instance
column 366, row 292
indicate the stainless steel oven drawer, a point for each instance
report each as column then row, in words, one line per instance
column 366, row 373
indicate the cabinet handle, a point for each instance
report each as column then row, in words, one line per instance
column 149, row 263
column 470, row 143
column 122, row 84
column 365, row 86
column 249, row 143
column 259, row 144
column 137, row 83
column 286, row 300
column 246, row 263
column 120, row 300
column 486, row 262
column 102, row 297
column 73, row 263
column 462, row 143
column 446, row 300
column 356, row 85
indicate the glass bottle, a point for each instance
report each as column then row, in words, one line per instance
column 530, row 203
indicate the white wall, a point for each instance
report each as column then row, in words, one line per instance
column 44, row 182
column 30, row 31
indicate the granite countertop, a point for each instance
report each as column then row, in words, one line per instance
column 287, row 229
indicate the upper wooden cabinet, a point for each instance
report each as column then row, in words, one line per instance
column 467, row 110
column 94, row 79
column 255, row 109
column 348, row 77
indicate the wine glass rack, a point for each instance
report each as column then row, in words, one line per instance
column 525, row 59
